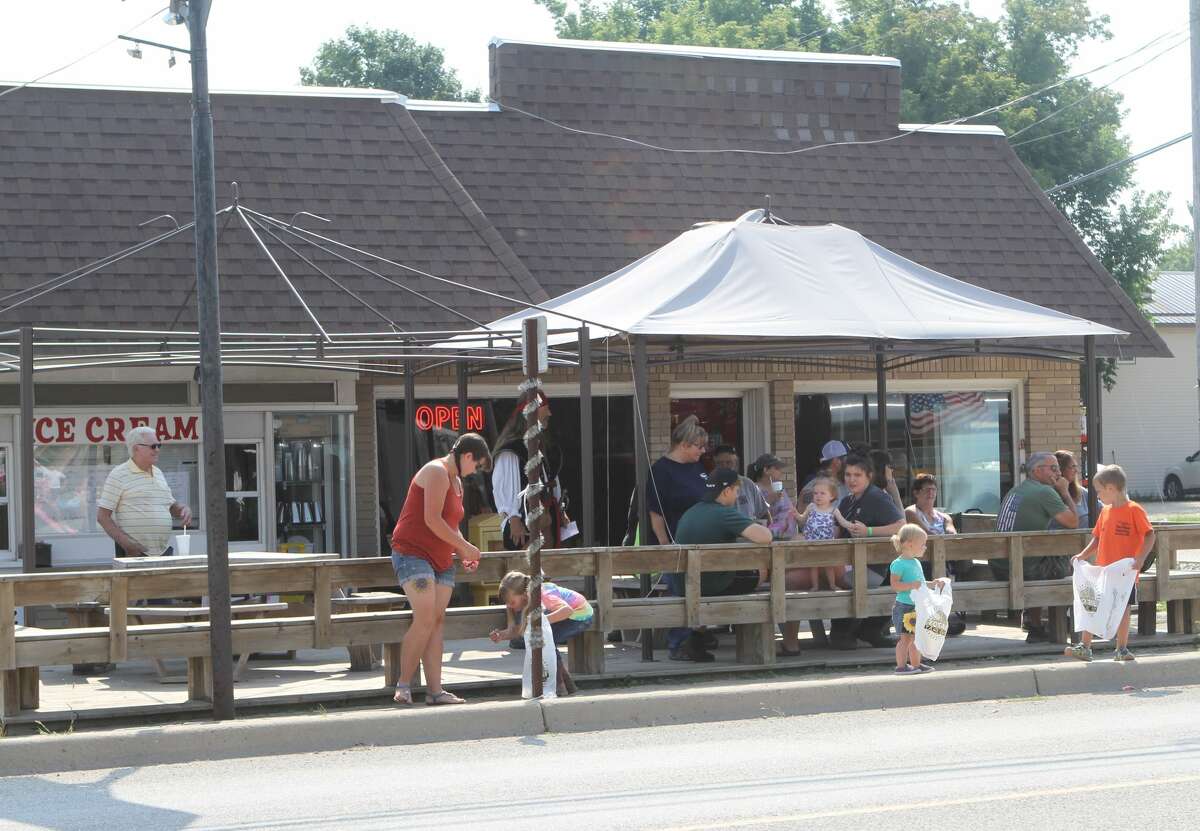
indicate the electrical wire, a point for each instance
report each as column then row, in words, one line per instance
column 1070, row 183
column 83, row 57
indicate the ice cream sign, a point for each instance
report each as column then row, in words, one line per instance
column 111, row 429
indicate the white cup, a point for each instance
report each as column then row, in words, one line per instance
column 183, row 544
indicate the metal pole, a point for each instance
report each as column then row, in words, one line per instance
column 881, row 399
column 211, row 403
column 461, row 371
column 1194, row 13
column 641, row 452
column 587, row 483
column 1091, row 425
column 28, row 541
column 535, row 512
column 410, row 424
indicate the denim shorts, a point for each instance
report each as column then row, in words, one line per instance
column 564, row 630
column 898, row 613
column 409, row 567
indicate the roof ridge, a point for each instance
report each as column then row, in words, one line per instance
column 690, row 51
column 467, row 205
column 1144, row 326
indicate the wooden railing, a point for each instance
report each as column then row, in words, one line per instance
column 23, row 652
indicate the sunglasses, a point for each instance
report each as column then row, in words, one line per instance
column 151, row 446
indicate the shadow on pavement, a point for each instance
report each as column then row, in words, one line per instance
column 42, row 802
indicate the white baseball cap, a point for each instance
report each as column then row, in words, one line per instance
column 833, row 450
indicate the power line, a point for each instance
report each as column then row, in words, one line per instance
column 1099, row 89
column 83, row 57
column 1070, row 183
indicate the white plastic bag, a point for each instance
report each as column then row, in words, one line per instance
column 549, row 664
column 1101, row 595
column 933, row 617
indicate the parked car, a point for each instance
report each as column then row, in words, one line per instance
column 1182, row 478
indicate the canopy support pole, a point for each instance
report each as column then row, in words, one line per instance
column 28, row 544
column 410, row 424
column 1091, row 377
column 587, row 487
column 463, row 427
column 641, row 433
column 881, row 440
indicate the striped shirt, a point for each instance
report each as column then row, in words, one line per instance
column 141, row 503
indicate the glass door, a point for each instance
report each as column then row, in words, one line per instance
column 311, row 483
column 723, row 418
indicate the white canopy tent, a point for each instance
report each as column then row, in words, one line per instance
column 754, row 279
column 758, row 287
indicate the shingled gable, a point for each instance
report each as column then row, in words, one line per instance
column 575, row 207
column 81, row 167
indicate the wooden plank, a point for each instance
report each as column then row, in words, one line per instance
column 778, row 586
column 1147, row 618
column 59, row 588
column 8, row 629
column 391, row 664
column 118, row 619
column 860, row 580
column 322, row 589
column 1016, row 572
column 1056, row 625
column 939, row 556
column 604, row 590
column 1179, row 617
column 585, row 653
column 691, row 594
column 1162, row 567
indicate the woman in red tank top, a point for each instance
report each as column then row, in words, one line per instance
column 424, row 543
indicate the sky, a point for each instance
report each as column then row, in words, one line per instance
column 260, row 44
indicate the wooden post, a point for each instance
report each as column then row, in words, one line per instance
column 861, row 580
column 881, row 441
column 8, row 631
column 604, row 590
column 118, row 618
column 10, row 692
column 1016, row 573
column 199, row 678
column 691, row 593
column 1092, row 421
column 939, row 556
column 1162, row 567
column 30, row 693
column 26, row 445
column 322, row 607
column 778, row 585
column 587, row 478
column 755, row 643
column 641, row 460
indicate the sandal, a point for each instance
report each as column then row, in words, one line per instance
column 403, row 695
column 442, row 698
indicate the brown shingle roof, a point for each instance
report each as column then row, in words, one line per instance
column 575, row 207
column 80, row 168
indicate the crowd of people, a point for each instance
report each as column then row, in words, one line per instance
column 853, row 494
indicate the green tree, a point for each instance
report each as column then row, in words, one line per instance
column 385, row 59
column 1181, row 256
column 955, row 64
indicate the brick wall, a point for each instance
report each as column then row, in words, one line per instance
column 1050, row 405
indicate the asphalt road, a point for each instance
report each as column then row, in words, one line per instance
column 1084, row 761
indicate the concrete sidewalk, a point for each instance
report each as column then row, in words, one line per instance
column 654, row 704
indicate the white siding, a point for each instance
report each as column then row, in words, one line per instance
column 1151, row 418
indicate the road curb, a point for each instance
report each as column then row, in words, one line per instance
column 603, row 710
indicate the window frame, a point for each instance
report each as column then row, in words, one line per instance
column 258, row 494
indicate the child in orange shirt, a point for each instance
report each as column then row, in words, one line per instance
column 1122, row 530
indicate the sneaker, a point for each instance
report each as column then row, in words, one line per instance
column 1123, row 654
column 693, row 650
column 907, row 670
column 924, row 667
column 1037, row 634
column 1079, row 652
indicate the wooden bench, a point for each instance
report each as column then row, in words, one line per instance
column 755, row 616
column 140, row 614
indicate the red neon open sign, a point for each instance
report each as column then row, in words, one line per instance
column 429, row 416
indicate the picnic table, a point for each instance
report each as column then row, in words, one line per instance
column 235, row 558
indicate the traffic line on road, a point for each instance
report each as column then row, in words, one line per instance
column 943, row 803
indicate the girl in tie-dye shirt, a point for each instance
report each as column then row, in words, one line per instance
column 568, row 612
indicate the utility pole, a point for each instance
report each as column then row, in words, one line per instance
column 1194, row 17
column 195, row 15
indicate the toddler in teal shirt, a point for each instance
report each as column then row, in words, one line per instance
column 906, row 575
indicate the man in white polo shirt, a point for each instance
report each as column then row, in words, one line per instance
column 136, row 506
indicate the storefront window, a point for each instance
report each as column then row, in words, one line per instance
column 962, row 438
column 68, row 478
column 311, row 482
column 241, row 492
column 721, row 417
column 436, row 429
